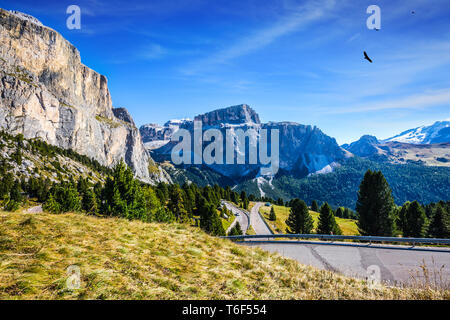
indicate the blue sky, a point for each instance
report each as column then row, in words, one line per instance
column 290, row 60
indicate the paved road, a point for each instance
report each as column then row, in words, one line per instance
column 256, row 221
column 396, row 266
column 241, row 216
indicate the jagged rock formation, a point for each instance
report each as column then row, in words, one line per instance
column 46, row 92
column 124, row 115
column 306, row 149
column 302, row 149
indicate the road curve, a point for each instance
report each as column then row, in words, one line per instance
column 257, row 221
column 396, row 265
column 241, row 216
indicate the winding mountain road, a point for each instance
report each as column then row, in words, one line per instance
column 393, row 264
column 241, row 216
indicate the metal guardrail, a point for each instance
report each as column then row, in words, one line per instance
column 335, row 237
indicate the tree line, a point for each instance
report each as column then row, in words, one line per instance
column 376, row 213
column 379, row 216
column 123, row 196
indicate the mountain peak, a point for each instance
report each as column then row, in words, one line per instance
column 438, row 132
column 365, row 146
column 369, row 139
column 239, row 114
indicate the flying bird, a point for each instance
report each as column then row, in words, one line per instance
column 367, row 57
column 413, row 12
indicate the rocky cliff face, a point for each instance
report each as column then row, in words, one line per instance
column 302, row 149
column 240, row 114
column 46, row 92
column 306, row 149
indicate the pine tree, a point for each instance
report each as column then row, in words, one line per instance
column 163, row 215
column 415, row 221
column 314, row 206
column 162, row 192
column 123, row 196
column 339, row 212
column 327, row 222
column 299, row 220
column 6, row 184
column 176, row 204
column 15, row 197
column 272, row 215
column 236, row 230
column 210, row 221
column 440, row 223
column 89, row 202
column 155, row 211
column 51, row 205
column 347, row 214
column 375, row 206
column 401, row 217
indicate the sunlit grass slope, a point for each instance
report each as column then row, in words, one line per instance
column 348, row 226
column 121, row 259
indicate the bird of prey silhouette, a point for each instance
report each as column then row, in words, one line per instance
column 367, row 57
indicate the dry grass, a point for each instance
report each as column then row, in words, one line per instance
column 121, row 259
column 348, row 226
column 429, row 277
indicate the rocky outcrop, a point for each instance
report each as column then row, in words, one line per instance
column 46, row 92
column 240, row 114
column 366, row 146
column 124, row 115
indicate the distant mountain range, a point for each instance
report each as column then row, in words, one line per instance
column 312, row 164
column 438, row 132
column 303, row 149
column 428, row 145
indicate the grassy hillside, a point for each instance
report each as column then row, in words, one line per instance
column 348, row 226
column 226, row 223
column 121, row 259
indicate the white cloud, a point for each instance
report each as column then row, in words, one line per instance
column 153, row 51
column 299, row 17
column 420, row 101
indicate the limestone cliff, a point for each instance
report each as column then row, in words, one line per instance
column 46, row 92
column 303, row 149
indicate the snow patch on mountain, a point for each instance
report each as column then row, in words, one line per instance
column 327, row 169
column 438, row 132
